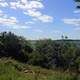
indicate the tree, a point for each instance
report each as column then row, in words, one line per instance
column 78, row 3
column 62, row 37
column 14, row 47
column 66, row 37
column 46, row 49
column 36, row 59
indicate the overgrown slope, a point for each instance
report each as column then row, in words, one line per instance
column 13, row 70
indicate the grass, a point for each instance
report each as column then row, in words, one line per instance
column 14, row 70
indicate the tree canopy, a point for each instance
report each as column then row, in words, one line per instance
column 14, row 46
column 51, row 54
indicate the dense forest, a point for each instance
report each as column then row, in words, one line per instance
column 51, row 54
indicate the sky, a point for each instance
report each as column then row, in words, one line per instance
column 40, row 19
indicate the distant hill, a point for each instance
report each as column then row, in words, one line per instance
column 76, row 42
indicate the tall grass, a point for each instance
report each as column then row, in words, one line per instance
column 13, row 70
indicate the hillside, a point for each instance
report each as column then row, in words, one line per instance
column 47, row 59
column 76, row 42
column 13, row 70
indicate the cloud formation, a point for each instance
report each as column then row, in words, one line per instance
column 6, row 20
column 39, row 16
column 29, row 8
column 11, row 22
column 4, row 4
column 77, row 11
column 25, row 5
column 75, row 22
column 18, row 26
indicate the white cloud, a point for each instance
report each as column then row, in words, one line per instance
column 11, row 22
column 7, row 21
column 75, row 22
column 14, row 18
column 77, row 11
column 29, row 22
column 39, row 16
column 33, row 13
column 26, row 5
column 1, row 11
column 29, row 8
column 24, row 1
column 35, row 4
column 46, row 18
column 3, row 4
column 2, row 0
column 13, row 5
column 2, row 15
column 17, row 26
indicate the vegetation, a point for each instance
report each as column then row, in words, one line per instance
column 77, row 0
column 14, row 70
column 59, row 56
column 14, row 47
column 78, row 3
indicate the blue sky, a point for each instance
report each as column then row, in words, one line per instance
column 39, row 19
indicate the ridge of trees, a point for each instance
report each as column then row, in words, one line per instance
column 14, row 46
column 45, row 53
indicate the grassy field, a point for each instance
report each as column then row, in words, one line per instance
column 13, row 70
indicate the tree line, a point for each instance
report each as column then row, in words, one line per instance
column 46, row 53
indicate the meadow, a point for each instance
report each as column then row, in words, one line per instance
column 14, row 70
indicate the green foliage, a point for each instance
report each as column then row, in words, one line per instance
column 47, row 53
column 14, row 46
column 35, row 59
column 8, row 71
column 45, row 48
